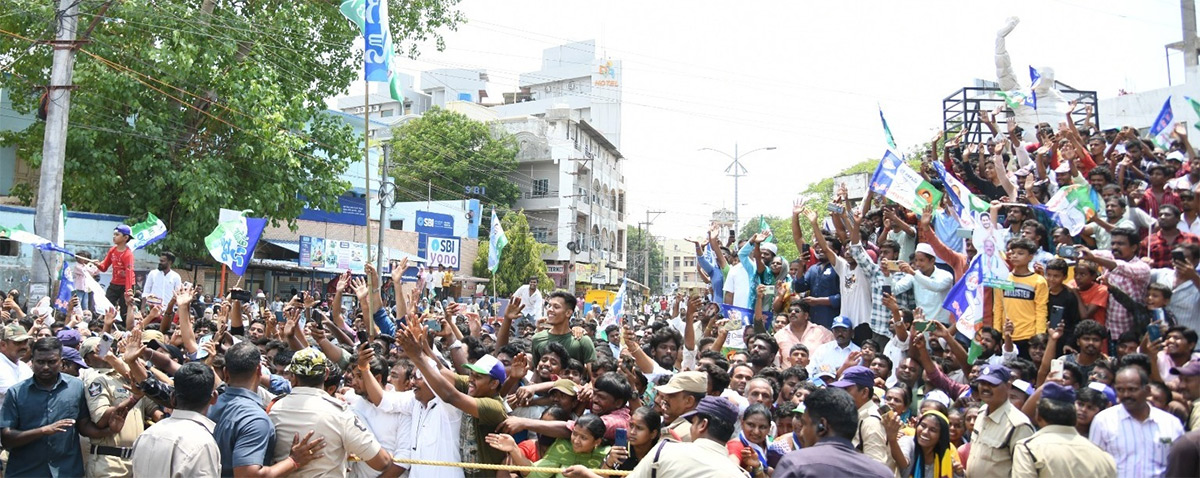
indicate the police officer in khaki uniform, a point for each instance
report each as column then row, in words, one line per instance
column 679, row 396
column 108, row 393
column 998, row 429
column 309, row 409
column 1057, row 450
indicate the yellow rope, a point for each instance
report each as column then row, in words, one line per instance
column 485, row 466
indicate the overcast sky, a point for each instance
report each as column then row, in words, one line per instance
column 806, row 80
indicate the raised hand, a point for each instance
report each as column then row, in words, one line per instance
column 361, row 289
column 515, row 307
column 798, row 207
column 343, row 282
column 184, row 296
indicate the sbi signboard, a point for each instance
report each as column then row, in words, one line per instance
column 435, row 224
column 443, row 251
column 437, row 244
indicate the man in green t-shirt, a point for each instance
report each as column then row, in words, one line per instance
column 477, row 395
column 558, row 316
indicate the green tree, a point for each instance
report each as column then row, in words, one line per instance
column 454, row 151
column 638, row 243
column 195, row 105
column 781, row 229
column 520, row 260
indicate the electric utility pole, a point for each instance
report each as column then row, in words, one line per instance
column 54, row 144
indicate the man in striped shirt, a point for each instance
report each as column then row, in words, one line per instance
column 1136, row 434
column 1125, row 272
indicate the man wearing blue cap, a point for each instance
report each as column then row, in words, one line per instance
column 870, row 438
column 1057, row 450
column 999, row 427
column 835, row 352
column 705, row 457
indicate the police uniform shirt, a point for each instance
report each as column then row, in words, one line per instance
column 181, row 445
column 312, row 409
column 1058, row 451
column 702, row 458
column 106, row 388
column 995, row 439
column 680, row 430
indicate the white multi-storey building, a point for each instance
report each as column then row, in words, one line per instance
column 573, row 192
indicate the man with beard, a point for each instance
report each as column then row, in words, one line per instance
column 665, row 345
column 42, row 417
column 999, row 427
column 800, row 331
column 1089, row 337
column 678, row 397
column 763, row 350
column 1136, row 434
column 163, row 281
column 820, row 281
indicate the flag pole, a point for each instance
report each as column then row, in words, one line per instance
column 367, row 161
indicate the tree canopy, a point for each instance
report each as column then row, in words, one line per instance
column 186, row 107
column 453, row 152
column 520, row 260
column 637, row 244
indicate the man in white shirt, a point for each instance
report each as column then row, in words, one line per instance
column 1136, row 434
column 434, row 282
column 14, row 347
column 387, row 414
column 737, row 287
column 930, row 283
column 836, row 352
column 436, row 426
column 531, row 297
column 163, row 281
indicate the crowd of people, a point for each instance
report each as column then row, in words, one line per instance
column 850, row 362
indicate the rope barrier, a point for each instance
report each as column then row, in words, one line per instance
column 486, row 466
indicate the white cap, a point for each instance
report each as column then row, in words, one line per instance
column 925, row 248
column 1176, row 155
column 769, row 246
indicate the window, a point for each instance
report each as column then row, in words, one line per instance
column 541, row 187
column 10, row 248
column 386, row 113
column 676, row 262
column 540, row 234
column 397, row 224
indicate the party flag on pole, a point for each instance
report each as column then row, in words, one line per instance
column 233, row 241
column 887, row 132
column 496, row 243
column 1161, row 130
column 147, row 232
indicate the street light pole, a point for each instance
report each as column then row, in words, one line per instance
column 737, row 172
